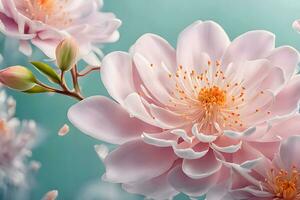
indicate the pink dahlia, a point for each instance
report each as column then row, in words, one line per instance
column 182, row 113
column 45, row 23
column 276, row 179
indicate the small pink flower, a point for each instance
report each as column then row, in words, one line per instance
column 207, row 102
column 46, row 22
column 277, row 179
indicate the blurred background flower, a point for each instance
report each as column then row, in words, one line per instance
column 17, row 138
column 44, row 23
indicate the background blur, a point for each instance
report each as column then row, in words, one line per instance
column 70, row 163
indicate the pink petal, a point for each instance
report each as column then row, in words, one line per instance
column 117, row 75
column 259, row 132
column 137, row 161
column 257, row 110
column 274, row 81
column 246, row 153
column 268, row 149
column 201, row 136
column 201, row 167
column 135, row 105
column 162, row 139
column 155, row 78
column 167, row 117
column 254, row 72
column 64, row 130
column 157, row 188
column 51, row 195
column 251, row 45
column 11, row 29
column 103, row 119
column 193, row 150
column 201, row 37
column 219, row 192
column 226, row 145
column 191, row 187
column 251, row 193
column 156, row 51
column 242, row 178
column 285, row 57
column 284, row 127
column 47, row 46
column 286, row 101
column 289, row 152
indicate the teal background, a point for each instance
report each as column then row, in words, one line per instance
column 69, row 162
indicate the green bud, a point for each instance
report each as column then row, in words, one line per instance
column 66, row 54
column 18, row 78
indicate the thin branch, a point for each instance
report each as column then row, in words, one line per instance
column 64, row 92
column 88, row 70
column 75, row 79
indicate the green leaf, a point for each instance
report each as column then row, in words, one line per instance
column 47, row 70
column 37, row 89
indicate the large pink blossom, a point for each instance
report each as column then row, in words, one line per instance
column 179, row 114
column 45, row 23
column 276, row 179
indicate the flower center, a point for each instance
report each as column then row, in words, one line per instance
column 47, row 5
column 51, row 12
column 284, row 185
column 212, row 96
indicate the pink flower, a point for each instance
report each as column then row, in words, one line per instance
column 16, row 141
column 46, row 22
column 207, row 102
column 277, row 179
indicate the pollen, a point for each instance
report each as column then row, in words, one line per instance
column 283, row 184
column 51, row 12
column 212, row 96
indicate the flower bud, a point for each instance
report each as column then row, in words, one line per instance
column 18, row 78
column 66, row 54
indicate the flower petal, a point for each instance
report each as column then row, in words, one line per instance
column 137, row 161
column 202, row 167
column 219, row 192
column 286, row 58
column 246, row 153
column 117, row 75
column 283, row 128
column 103, row 119
column 286, row 101
column 156, row 51
column 201, row 136
column 155, row 78
column 201, row 37
column 251, row 45
column 157, row 188
column 289, row 152
column 167, row 117
column 135, row 105
column 192, row 187
column 190, row 150
column 163, row 139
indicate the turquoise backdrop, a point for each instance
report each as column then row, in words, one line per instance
column 69, row 162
